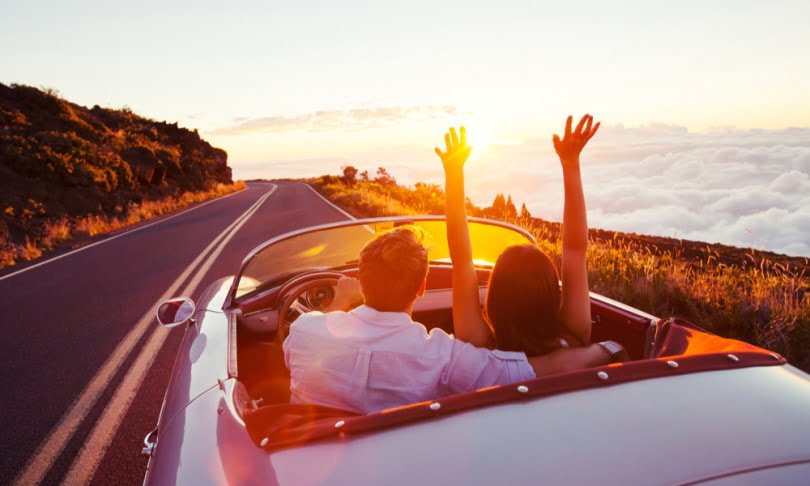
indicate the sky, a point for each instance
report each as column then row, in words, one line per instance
column 704, row 105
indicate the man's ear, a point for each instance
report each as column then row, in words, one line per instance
column 422, row 286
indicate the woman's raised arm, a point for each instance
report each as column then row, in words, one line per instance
column 468, row 322
column 576, row 302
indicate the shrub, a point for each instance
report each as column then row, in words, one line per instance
column 754, row 297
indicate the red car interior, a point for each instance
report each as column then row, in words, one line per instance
column 678, row 348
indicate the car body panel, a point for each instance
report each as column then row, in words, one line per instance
column 201, row 361
column 206, row 443
column 659, row 431
column 203, row 355
column 710, row 425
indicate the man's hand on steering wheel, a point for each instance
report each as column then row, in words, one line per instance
column 348, row 295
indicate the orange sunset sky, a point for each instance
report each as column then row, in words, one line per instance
column 706, row 126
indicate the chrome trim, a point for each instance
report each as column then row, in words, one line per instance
column 231, row 296
column 745, row 470
column 232, row 367
column 149, row 447
column 605, row 300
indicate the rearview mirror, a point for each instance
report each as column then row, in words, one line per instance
column 175, row 312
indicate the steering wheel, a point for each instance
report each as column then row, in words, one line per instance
column 292, row 290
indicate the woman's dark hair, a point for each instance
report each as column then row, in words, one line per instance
column 523, row 301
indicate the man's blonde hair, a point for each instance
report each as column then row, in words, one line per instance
column 392, row 266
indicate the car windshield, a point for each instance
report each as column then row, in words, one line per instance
column 339, row 247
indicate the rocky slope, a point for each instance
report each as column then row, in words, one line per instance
column 62, row 160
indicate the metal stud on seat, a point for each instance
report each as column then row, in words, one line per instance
column 435, row 406
column 340, row 423
column 264, row 441
column 673, row 364
column 523, row 389
column 602, row 375
column 733, row 357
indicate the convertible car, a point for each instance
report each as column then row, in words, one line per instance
column 689, row 407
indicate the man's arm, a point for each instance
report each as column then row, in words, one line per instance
column 570, row 359
column 471, row 368
column 348, row 295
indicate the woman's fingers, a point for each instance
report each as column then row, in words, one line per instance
column 578, row 131
column 592, row 132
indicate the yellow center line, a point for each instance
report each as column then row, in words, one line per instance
column 52, row 446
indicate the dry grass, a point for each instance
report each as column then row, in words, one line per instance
column 59, row 231
column 757, row 300
column 372, row 199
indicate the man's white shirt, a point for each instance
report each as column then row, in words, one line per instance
column 365, row 361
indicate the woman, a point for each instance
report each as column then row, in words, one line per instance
column 526, row 309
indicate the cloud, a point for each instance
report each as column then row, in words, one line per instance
column 749, row 188
column 335, row 119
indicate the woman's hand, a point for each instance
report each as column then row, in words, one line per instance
column 576, row 302
column 572, row 143
column 457, row 151
column 468, row 322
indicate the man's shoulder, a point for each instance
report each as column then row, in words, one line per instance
column 436, row 334
column 314, row 320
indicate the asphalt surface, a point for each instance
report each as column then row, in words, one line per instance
column 62, row 320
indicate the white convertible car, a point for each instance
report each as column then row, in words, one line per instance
column 690, row 407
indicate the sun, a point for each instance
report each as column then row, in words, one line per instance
column 478, row 137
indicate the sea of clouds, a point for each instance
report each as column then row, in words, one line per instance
column 748, row 188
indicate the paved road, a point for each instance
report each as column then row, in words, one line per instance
column 61, row 322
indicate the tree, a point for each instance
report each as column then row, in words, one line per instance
column 472, row 209
column 384, row 178
column 510, row 212
column 525, row 215
column 349, row 174
column 498, row 206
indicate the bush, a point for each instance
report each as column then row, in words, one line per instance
column 751, row 297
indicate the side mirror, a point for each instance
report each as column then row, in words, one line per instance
column 175, row 312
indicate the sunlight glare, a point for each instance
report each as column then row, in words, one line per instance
column 478, row 137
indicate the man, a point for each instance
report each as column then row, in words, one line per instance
column 375, row 356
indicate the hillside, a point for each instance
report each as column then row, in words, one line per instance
column 759, row 297
column 69, row 171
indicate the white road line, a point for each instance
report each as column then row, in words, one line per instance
column 367, row 227
column 77, row 250
column 50, row 449
column 330, row 202
column 94, row 448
